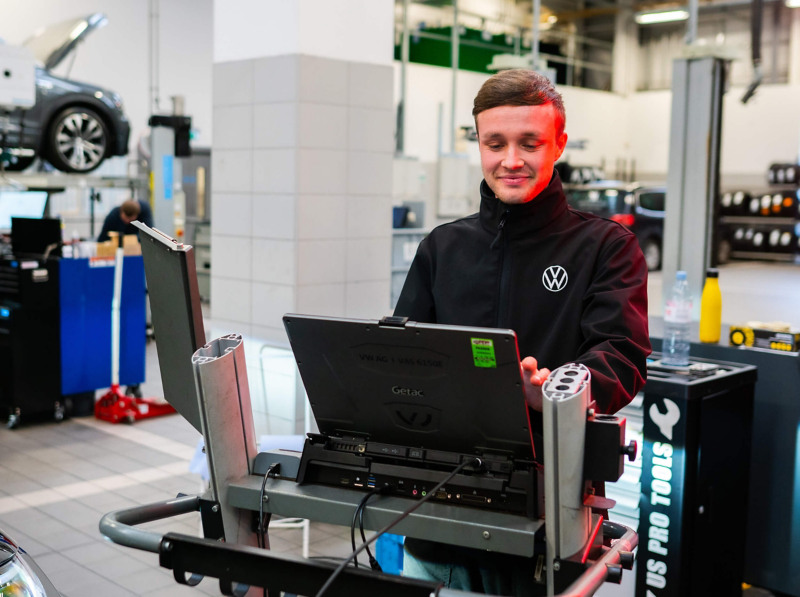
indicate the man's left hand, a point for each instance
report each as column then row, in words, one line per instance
column 533, row 378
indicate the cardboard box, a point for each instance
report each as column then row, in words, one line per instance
column 130, row 245
column 106, row 249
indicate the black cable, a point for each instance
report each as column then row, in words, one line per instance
column 261, row 531
column 355, row 517
column 373, row 562
column 472, row 462
column 262, row 524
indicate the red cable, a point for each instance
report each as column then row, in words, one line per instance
column 591, row 541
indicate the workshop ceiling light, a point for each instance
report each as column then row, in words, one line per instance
column 793, row 3
column 665, row 16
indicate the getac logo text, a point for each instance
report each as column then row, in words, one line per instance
column 406, row 391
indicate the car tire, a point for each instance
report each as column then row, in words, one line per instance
column 78, row 140
column 723, row 252
column 22, row 163
column 652, row 254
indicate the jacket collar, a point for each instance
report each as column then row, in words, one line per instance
column 526, row 217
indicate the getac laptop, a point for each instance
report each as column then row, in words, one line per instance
column 400, row 403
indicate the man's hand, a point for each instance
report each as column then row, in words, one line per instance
column 533, row 378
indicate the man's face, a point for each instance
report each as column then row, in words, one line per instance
column 519, row 146
column 126, row 218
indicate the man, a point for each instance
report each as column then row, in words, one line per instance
column 119, row 219
column 571, row 285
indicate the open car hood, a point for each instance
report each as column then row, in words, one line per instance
column 50, row 45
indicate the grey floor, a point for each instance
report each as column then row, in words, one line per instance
column 57, row 480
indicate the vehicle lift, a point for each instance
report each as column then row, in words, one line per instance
column 577, row 561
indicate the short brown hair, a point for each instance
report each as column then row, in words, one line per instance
column 131, row 208
column 519, row 87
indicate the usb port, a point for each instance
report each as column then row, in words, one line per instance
column 358, row 485
column 371, row 482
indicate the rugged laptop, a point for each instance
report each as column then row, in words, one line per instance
column 399, row 404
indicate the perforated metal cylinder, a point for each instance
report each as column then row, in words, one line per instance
column 228, row 428
column 566, row 401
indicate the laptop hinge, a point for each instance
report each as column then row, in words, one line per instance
column 392, row 321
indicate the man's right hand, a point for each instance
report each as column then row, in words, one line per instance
column 533, row 378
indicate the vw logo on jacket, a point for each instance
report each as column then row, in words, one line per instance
column 555, row 278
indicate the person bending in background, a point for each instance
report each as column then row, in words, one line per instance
column 572, row 286
column 120, row 219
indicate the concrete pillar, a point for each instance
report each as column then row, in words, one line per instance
column 690, row 239
column 626, row 49
column 302, row 152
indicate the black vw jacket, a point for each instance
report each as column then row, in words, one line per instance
column 573, row 287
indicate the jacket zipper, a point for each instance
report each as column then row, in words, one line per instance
column 499, row 230
column 505, row 272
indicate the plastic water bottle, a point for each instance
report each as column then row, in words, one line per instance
column 677, row 324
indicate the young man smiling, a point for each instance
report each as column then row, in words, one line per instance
column 571, row 285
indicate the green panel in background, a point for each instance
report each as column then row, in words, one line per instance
column 436, row 52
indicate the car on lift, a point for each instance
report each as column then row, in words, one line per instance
column 19, row 573
column 73, row 125
column 637, row 206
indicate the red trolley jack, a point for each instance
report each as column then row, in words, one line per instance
column 114, row 406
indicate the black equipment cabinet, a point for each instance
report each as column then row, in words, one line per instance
column 695, row 479
column 30, row 363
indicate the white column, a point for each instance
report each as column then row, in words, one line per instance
column 794, row 48
column 626, row 48
column 301, row 172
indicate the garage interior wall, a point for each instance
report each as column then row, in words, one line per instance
column 632, row 127
column 615, row 127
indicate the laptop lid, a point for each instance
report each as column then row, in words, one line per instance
column 439, row 387
column 169, row 268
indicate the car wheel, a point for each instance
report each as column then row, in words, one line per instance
column 723, row 252
column 652, row 254
column 77, row 140
column 21, row 163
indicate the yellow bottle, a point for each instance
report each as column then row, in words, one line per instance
column 711, row 309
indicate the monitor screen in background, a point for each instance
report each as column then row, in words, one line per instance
column 21, row 204
column 32, row 236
